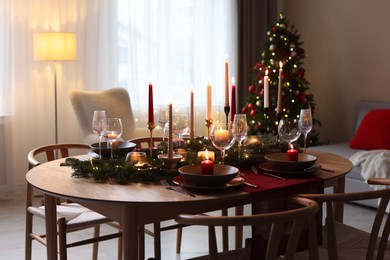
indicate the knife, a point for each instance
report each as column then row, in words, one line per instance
column 254, row 169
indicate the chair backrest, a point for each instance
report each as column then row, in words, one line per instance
column 144, row 142
column 379, row 221
column 303, row 212
column 116, row 103
column 51, row 150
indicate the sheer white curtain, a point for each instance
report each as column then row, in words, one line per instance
column 173, row 43
column 176, row 44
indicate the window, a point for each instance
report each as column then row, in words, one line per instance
column 175, row 44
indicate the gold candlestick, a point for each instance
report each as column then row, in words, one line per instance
column 151, row 126
column 209, row 123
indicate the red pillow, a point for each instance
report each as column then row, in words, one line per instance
column 374, row 131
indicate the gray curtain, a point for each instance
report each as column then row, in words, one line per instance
column 254, row 18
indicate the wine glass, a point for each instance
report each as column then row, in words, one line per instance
column 240, row 128
column 305, row 124
column 163, row 118
column 99, row 126
column 180, row 122
column 222, row 137
column 113, row 131
column 288, row 130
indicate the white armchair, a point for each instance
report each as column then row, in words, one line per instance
column 116, row 103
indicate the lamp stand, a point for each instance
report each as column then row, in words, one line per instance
column 55, row 102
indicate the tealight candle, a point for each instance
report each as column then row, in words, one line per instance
column 292, row 154
column 210, row 155
column 207, row 166
column 222, row 135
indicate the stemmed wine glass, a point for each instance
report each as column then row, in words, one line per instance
column 240, row 129
column 288, row 130
column 113, row 131
column 305, row 124
column 163, row 118
column 180, row 122
column 222, row 137
column 99, row 126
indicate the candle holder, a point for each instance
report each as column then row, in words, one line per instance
column 278, row 117
column 170, row 164
column 227, row 111
column 209, row 123
column 266, row 120
column 151, row 126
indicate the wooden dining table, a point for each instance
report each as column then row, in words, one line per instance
column 137, row 204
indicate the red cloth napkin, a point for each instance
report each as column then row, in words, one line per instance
column 270, row 196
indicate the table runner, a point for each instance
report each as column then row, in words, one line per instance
column 270, row 196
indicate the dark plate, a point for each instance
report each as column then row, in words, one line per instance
column 222, row 174
column 122, row 149
column 279, row 161
column 179, row 180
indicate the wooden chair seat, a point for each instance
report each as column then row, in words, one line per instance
column 341, row 241
column 70, row 216
column 73, row 213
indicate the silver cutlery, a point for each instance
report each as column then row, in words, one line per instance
column 254, row 169
column 250, row 184
column 175, row 188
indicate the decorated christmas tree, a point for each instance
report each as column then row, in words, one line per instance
column 282, row 59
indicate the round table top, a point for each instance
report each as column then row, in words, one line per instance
column 57, row 180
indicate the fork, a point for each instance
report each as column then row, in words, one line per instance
column 178, row 189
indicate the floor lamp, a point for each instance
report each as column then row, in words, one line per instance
column 54, row 47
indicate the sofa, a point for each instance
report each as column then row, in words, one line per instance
column 354, row 180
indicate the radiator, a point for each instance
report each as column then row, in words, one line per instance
column 6, row 183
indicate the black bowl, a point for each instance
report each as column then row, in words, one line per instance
column 222, row 174
column 279, row 161
column 120, row 150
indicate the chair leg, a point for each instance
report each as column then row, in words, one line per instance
column 225, row 233
column 95, row 246
column 28, row 242
column 141, row 242
column 179, row 235
column 62, row 239
column 157, row 240
column 120, row 249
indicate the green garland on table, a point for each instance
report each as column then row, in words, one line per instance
column 118, row 171
column 122, row 172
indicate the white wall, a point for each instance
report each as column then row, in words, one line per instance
column 347, row 43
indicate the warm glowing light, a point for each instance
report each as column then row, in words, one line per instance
column 55, row 46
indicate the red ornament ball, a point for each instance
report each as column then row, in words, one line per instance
column 253, row 112
column 244, row 110
column 250, row 106
column 274, row 29
column 251, row 89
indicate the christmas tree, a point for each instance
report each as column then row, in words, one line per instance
column 282, row 56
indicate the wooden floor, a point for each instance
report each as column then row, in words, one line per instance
column 194, row 243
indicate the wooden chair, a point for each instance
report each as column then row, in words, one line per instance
column 341, row 241
column 305, row 212
column 70, row 216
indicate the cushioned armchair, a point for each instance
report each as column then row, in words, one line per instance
column 116, row 103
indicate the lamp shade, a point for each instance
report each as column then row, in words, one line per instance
column 55, row 46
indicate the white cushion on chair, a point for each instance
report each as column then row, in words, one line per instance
column 72, row 212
